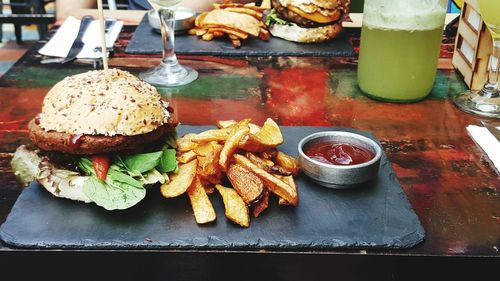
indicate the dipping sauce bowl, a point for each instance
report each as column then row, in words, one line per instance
column 359, row 157
column 184, row 19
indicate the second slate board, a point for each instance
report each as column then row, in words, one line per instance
column 148, row 41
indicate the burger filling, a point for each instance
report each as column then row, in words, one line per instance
column 304, row 15
column 112, row 178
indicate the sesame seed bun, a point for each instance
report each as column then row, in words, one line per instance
column 89, row 104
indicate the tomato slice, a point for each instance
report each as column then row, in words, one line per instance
column 101, row 166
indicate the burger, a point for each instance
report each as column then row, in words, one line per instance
column 307, row 21
column 101, row 138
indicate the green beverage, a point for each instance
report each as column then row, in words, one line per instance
column 490, row 12
column 400, row 43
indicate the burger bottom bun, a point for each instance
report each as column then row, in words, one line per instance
column 295, row 33
column 97, row 144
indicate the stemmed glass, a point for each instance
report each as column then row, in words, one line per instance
column 169, row 72
column 486, row 102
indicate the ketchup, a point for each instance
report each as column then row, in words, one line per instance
column 336, row 153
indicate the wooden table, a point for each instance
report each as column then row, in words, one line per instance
column 447, row 178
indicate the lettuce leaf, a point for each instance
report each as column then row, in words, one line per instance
column 25, row 164
column 112, row 194
column 168, row 161
column 142, row 162
column 119, row 191
column 273, row 17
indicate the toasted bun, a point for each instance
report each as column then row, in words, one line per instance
column 89, row 104
column 293, row 32
column 324, row 4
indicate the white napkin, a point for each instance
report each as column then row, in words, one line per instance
column 487, row 142
column 60, row 44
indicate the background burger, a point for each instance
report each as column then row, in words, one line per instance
column 307, row 21
column 100, row 139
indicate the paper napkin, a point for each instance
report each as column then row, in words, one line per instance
column 60, row 44
column 488, row 143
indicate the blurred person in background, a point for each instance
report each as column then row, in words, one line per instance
column 65, row 7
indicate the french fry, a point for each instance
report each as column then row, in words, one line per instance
column 248, row 185
column 186, row 157
column 291, row 182
column 238, row 34
column 199, row 19
column 217, row 33
column 266, row 4
column 261, row 205
column 208, row 165
column 201, row 32
column 202, row 207
column 269, row 136
column 264, row 34
column 181, row 181
column 262, row 163
column 287, row 162
column 246, row 10
column 212, row 135
column 236, row 43
column 185, row 143
column 269, row 154
column 209, row 189
column 206, row 149
column 235, row 208
column 253, row 128
column 225, row 123
column 193, row 31
column 238, row 131
column 207, row 36
column 238, row 21
column 274, row 184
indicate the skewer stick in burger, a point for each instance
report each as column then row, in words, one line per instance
column 307, row 21
column 100, row 139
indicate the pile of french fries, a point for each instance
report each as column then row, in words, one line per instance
column 237, row 21
column 242, row 154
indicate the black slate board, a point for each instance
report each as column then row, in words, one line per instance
column 148, row 41
column 374, row 216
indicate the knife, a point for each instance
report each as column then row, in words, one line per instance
column 492, row 129
column 78, row 43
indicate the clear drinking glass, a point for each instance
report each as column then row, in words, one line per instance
column 400, row 44
column 486, row 102
column 169, row 72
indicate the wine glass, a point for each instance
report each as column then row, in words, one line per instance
column 169, row 72
column 486, row 102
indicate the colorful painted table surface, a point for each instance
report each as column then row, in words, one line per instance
column 447, row 178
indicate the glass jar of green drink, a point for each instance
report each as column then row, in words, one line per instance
column 400, row 44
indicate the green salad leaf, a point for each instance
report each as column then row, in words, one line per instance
column 113, row 195
column 273, row 17
column 119, row 191
column 25, row 164
column 168, row 161
column 142, row 162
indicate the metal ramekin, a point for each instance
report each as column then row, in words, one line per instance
column 339, row 176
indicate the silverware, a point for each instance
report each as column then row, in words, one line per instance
column 78, row 43
column 492, row 129
column 108, row 27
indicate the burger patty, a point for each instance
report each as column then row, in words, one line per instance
column 96, row 144
column 289, row 15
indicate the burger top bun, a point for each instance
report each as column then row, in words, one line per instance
column 308, row 4
column 89, row 104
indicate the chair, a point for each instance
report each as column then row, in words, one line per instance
column 26, row 12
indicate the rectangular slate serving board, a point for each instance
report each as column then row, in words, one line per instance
column 148, row 41
column 377, row 215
